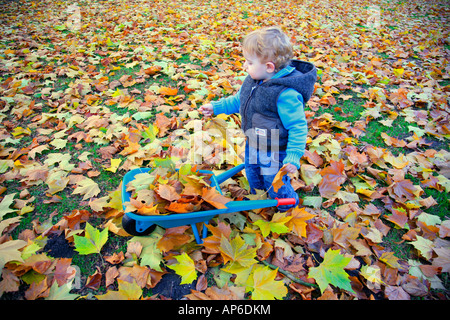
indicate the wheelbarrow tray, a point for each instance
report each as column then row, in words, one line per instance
column 191, row 218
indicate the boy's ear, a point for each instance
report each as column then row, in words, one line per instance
column 270, row 67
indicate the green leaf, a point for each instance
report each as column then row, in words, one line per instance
column 314, row 202
column 92, row 242
column 331, row 271
column 238, row 253
column 61, row 293
column 60, row 28
column 150, row 255
column 276, row 225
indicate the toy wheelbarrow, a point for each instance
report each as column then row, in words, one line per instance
column 139, row 225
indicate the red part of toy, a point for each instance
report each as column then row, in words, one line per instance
column 285, row 201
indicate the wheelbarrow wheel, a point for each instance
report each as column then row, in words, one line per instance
column 130, row 226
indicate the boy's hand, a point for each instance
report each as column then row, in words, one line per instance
column 289, row 168
column 207, row 110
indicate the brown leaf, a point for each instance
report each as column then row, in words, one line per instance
column 332, row 178
column 212, row 196
column 37, row 290
column 202, row 283
column 167, row 192
column 173, row 238
column 212, row 243
column 398, row 217
column 402, row 190
column 111, row 274
column 64, row 271
column 94, row 280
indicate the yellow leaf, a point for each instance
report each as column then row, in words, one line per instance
column 59, row 143
column 298, row 221
column 184, row 268
column 127, row 291
column 238, row 253
column 263, row 285
column 399, row 72
column 114, row 165
column 18, row 131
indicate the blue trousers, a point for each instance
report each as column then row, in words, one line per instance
column 261, row 168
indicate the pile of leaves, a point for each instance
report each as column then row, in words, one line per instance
column 92, row 92
column 166, row 190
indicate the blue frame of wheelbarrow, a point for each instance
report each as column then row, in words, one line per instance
column 191, row 218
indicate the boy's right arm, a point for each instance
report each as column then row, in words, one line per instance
column 227, row 105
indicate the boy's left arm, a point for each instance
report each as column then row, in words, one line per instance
column 292, row 115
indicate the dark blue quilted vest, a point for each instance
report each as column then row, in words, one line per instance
column 259, row 112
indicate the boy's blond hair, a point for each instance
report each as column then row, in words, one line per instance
column 269, row 44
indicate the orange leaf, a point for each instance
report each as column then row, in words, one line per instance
column 298, row 222
column 212, row 196
column 180, row 207
column 390, row 141
column 173, row 238
column 168, row 91
column 277, row 182
column 398, row 217
column 212, row 243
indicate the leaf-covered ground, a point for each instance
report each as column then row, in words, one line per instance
column 89, row 91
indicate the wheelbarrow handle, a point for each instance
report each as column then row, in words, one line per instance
column 229, row 173
column 286, row 201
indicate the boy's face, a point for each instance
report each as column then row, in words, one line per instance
column 256, row 69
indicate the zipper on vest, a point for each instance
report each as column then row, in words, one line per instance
column 244, row 111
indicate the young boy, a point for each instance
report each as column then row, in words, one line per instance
column 270, row 102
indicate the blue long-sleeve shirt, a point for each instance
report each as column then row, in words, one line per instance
column 291, row 111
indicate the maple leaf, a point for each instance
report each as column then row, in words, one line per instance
column 238, row 253
column 150, row 255
column 173, row 238
column 5, row 205
column 168, row 91
column 277, row 182
column 331, row 271
column 9, row 251
column 61, row 292
column 332, row 178
column 167, row 192
column 88, row 187
column 212, row 242
column 297, row 223
column 127, row 291
column 263, row 286
column 276, row 225
column 92, row 242
column 184, row 268
column 212, row 196
column 113, row 166
column 424, row 246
